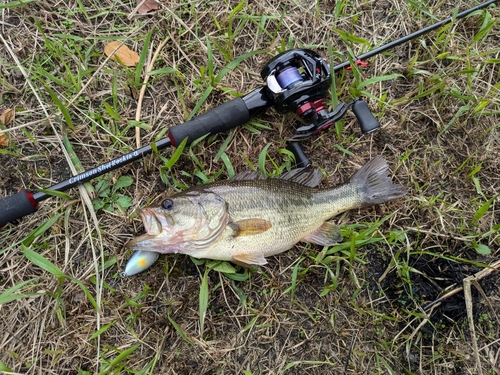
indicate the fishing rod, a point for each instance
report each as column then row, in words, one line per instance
column 297, row 81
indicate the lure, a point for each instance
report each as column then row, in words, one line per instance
column 140, row 261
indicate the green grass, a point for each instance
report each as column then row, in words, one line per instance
column 436, row 98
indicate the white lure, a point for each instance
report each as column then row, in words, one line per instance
column 140, row 261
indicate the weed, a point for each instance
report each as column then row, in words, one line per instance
column 108, row 197
column 436, row 98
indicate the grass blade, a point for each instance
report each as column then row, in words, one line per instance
column 179, row 329
column 142, row 59
column 200, row 102
column 28, row 240
column 373, row 80
column 262, row 159
column 42, row 262
column 2, row 366
column 233, row 64
column 119, row 358
column 9, row 295
column 482, row 210
column 50, row 267
column 61, row 106
column 210, row 58
column 352, row 38
column 176, row 155
column 102, row 329
column 203, row 300
column 14, row 4
column 86, row 292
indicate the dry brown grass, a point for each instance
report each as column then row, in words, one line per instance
column 440, row 144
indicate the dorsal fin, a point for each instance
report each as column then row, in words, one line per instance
column 307, row 176
column 304, row 176
column 249, row 175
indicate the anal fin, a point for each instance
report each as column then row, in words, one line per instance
column 249, row 259
column 326, row 235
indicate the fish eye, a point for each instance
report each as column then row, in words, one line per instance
column 167, row 204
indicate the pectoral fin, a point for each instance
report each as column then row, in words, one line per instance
column 249, row 259
column 249, row 227
column 326, row 235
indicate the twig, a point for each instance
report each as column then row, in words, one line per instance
column 465, row 239
column 478, row 276
column 470, row 318
column 186, row 27
column 466, row 288
column 346, row 367
column 134, row 11
column 143, row 91
column 195, row 68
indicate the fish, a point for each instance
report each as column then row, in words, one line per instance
column 249, row 217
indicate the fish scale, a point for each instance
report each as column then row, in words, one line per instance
column 293, row 210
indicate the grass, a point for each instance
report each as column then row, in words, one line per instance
column 360, row 305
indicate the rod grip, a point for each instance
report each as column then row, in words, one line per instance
column 16, row 206
column 224, row 117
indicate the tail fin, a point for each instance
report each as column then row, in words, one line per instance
column 374, row 184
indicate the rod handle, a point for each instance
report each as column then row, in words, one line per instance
column 224, row 117
column 16, row 206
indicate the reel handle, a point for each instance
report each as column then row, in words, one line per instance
column 367, row 122
column 301, row 160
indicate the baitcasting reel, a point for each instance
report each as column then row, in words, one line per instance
column 297, row 78
column 299, row 81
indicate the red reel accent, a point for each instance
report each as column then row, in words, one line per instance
column 360, row 63
column 315, row 106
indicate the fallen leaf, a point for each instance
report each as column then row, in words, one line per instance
column 7, row 116
column 147, row 6
column 5, row 119
column 4, row 142
column 124, row 54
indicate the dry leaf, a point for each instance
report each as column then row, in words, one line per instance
column 147, row 6
column 124, row 54
column 4, row 142
column 7, row 116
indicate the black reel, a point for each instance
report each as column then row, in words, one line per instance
column 299, row 81
column 296, row 78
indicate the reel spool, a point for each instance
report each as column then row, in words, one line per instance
column 296, row 78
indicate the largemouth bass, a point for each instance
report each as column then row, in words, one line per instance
column 246, row 219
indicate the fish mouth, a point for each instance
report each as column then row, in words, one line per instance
column 146, row 242
column 152, row 224
column 153, row 227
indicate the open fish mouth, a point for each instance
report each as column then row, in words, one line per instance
column 152, row 224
